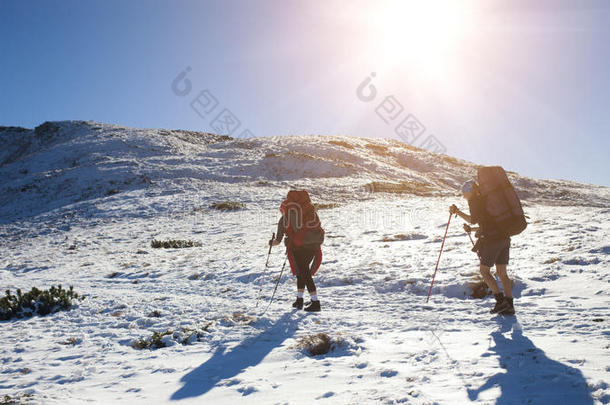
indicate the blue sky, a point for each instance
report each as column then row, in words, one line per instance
column 523, row 85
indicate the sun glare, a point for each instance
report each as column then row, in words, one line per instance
column 424, row 35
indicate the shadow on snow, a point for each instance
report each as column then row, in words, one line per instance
column 531, row 377
column 227, row 364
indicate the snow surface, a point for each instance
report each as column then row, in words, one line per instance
column 80, row 203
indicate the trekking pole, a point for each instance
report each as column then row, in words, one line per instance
column 468, row 230
column 260, row 290
column 470, row 237
column 439, row 257
column 473, row 244
column 276, row 284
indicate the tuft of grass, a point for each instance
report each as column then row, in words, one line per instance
column 185, row 336
column 551, row 260
column 19, row 399
column 36, row 302
column 228, row 206
column 324, row 206
column 403, row 145
column 478, row 287
column 453, row 161
column 392, row 238
column 402, row 236
column 72, row 341
column 241, row 318
column 405, row 187
column 154, row 342
column 300, row 155
column 174, row 244
column 378, row 149
column 316, row 345
column 342, row 143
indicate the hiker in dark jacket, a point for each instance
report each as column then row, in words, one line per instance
column 493, row 248
column 304, row 236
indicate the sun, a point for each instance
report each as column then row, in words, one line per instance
column 423, row 35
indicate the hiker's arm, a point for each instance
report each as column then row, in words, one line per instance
column 281, row 229
column 469, row 228
column 455, row 210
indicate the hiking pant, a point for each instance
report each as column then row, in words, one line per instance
column 494, row 251
column 303, row 258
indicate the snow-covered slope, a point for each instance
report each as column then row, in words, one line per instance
column 61, row 163
column 81, row 203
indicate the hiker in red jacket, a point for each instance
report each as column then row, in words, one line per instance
column 304, row 237
column 492, row 247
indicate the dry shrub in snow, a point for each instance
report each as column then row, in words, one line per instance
column 237, row 318
column 174, row 244
column 378, row 149
column 324, row 206
column 16, row 400
column 478, row 287
column 228, row 206
column 405, row 187
column 318, row 344
column 342, row 143
column 402, row 236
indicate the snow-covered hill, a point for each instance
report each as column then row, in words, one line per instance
column 62, row 163
column 80, row 203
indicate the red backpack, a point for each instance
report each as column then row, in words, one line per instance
column 501, row 201
column 303, row 225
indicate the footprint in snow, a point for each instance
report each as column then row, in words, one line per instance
column 326, row 395
column 581, row 261
column 389, row 373
column 230, row 383
column 604, row 250
column 247, row 390
column 403, row 237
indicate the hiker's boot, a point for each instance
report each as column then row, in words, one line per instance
column 314, row 306
column 511, row 309
column 501, row 304
column 298, row 304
